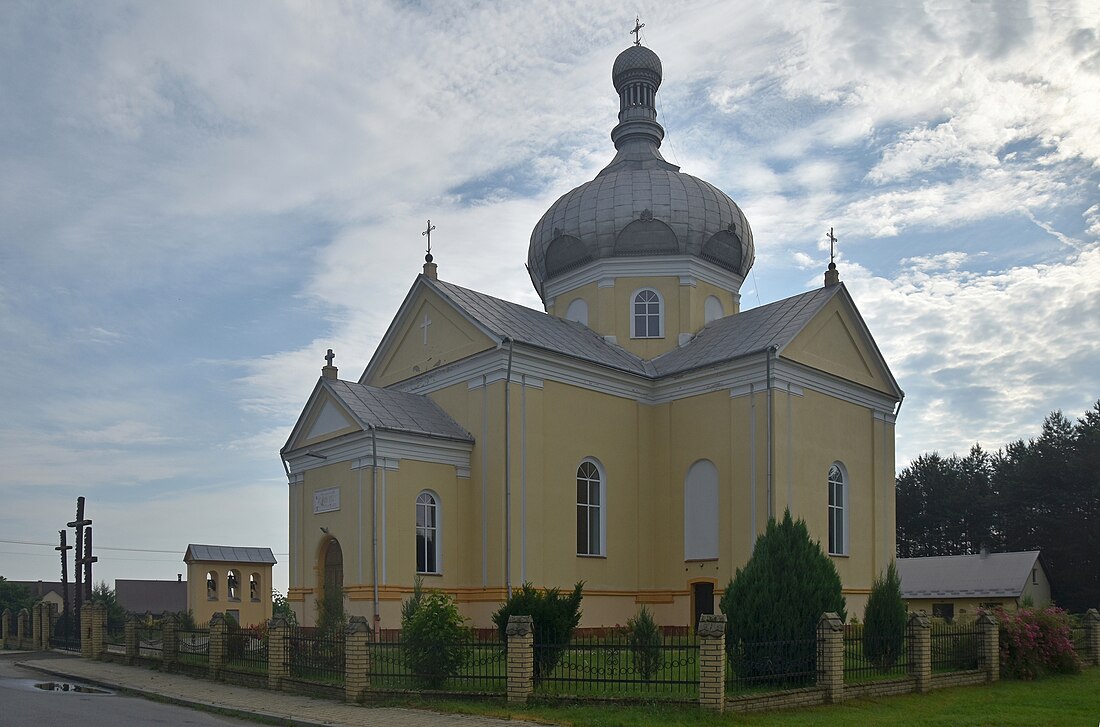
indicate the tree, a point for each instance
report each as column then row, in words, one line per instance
column 332, row 620
column 433, row 638
column 14, row 597
column 780, row 595
column 116, row 615
column 280, row 606
column 884, row 621
column 645, row 643
column 553, row 616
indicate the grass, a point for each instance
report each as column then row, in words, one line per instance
column 1053, row 700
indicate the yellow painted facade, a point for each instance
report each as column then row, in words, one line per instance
column 250, row 604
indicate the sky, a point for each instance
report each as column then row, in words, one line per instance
column 198, row 199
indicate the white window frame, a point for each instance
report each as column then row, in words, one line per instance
column 436, row 529
column 634, row 315
column 838, row 512
column 600, row 507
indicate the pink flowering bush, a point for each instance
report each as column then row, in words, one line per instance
column 1036, row 642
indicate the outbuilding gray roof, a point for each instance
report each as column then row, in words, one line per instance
column 396, row 411
column 229, row 554
column 967, row 576
column 141, row 596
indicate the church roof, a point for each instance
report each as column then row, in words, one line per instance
column 959, row 576
column 396, row 411
column 752, row 331
column 229, row 554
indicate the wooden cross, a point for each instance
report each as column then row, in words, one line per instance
column 64, row 578
column 330, row 357
column 427, row 322
column 832, row 244
column 637, row 32
column 428, row 233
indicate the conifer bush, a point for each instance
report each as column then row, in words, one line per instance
column 645, row 643
column 779, row 596
column 433, row 639
column 554, row 616
column 884, row 621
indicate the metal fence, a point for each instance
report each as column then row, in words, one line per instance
column 246, row 651
column 313, row 656
column 477, row 663
column 194, row 644
column 771, row 665
column 1079, row 636
column 955, row 647
column 872, row 656
column 150, row 642
column 615, row 665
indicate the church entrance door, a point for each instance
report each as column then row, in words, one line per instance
column 702, row 600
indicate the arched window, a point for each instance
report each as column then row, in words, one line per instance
column 838, row 510
column 233, row 585
column 647, row 314
column 212, row 585
column 427, row 533
column 701, row 511
column 590, row 509
column 254, row 587
column 577, row 311
column 712, row 309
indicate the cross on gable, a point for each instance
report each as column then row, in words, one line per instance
column 330, row 357
column 427, row 322
column 832, row 244
column 428, row 233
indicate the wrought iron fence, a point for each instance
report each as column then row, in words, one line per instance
column 1079, row 636
column 477, row 663
column 771, row 665
column 193, row 644
column 246, row 651
column 955, row 647
column 150, row 641
column 66, row 644
column 871, row 656
column 313, row 656
column 613, row 664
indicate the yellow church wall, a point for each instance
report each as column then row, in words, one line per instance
column 249, row 612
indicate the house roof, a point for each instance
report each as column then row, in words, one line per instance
column 141, row 596
column 962, row 576
column 229, row 554
column 38, row 589
column 396, row 410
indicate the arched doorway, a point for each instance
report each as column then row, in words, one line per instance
column 333, row 571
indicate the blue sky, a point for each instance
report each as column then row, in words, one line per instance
column 198, row 199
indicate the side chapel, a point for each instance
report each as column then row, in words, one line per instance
column 637, row 435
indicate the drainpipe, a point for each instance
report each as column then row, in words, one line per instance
column 374, row 524
column 771, row 424
column 508, row 476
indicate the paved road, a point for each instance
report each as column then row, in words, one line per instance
column 23, row 703
column 272, row 707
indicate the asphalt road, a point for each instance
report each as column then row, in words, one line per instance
column 23, row 704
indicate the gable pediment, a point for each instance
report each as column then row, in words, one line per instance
column 325, row 417
column 428, row 332
column 837, row 341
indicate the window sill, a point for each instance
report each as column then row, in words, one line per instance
column 591, row 555
column 646, row 338
column 425, row 573
column 839, row 555
column 701, row 560
column 211, row 598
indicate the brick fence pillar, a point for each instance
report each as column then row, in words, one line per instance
column 5, row 628
column 991, row 647
column 919, row 635
column 218, row 632
column 520, row 633
column 277, row 629
column 23, row 629
column 830, row 660
column 712, row 661
column 1092, row 636
column 356, row 659
column 131, row 639
column 170, row 645
column 36, row 625
column 50, row 622
column 98, row 630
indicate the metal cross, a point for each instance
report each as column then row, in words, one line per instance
column 637, row 32
column 832, row 244
column 428, row 233
column 330, row 357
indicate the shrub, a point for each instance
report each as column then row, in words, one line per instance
column 332, row 620
column 433, row 639
column 645, row 643
column 409, row 606
column 884, row 621
column 554, row 617
column 779, row 596
column 1035, row 642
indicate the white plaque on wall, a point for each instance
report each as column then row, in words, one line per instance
column 326, row 500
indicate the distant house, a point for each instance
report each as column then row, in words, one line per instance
column 154, row 597
column 954, row 586
column 234, row 581
column 49, row 591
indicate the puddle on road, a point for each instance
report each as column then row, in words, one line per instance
column 68, row 687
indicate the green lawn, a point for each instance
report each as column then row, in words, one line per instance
column 1054, row 700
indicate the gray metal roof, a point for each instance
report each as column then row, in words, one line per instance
column 396, row 410
column 141, row 596
column 535, row 328
column 749, row 332
column 229, row 554
column 964, row 576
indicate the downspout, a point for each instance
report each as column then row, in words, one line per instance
column 508, row 476
column 374, row 524
column 771, row 423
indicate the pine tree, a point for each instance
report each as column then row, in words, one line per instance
column 884, row 621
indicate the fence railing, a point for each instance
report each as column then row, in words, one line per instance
column 1079, row 636
column 610, row 664
column 869, row 657
column 480, row 657
column 955, row 647
column 316, row 657
column 150, row 642
column 771, row 665
column 194, row 644
column 246, row 651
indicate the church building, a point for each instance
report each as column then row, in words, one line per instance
column 636, row 435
